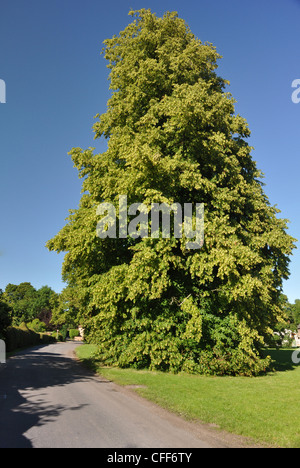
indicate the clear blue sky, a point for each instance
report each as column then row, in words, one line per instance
column 56, row 82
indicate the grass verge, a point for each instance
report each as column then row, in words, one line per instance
column 264, row 408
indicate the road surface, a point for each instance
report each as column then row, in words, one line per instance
column 49, row 400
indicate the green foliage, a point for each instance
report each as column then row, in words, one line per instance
column 173, row 136
column 295, row 313
column 20, row 298
column 5, row 316
column 289, row 321
column 37, row 326
column 22, row 337
column 68, row 308
column 58, row 336
column 27, row 303
column 73, row 332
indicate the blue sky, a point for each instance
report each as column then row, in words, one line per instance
column 56, row 82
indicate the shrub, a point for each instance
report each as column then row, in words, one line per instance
column 47, row 339
column 37, row 326
column 63, row 332
column 73, row 332
column 22, row 337
column 58, row 336
column 5, row 318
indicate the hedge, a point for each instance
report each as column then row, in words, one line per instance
column 21, row 337
column 73, row 332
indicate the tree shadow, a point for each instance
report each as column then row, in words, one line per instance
column 282, row 359
column 27, row 374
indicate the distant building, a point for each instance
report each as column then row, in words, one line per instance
column 295, row 336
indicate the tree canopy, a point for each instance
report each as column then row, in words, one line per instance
column 173, row 136
column 5, row 315
column 27, row 303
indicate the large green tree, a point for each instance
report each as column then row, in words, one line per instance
column 68, row 308
column 20, row 298
column 28, row 303
column 173, row 136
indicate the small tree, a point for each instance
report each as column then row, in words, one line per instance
column 20, row 299
column 68, row 308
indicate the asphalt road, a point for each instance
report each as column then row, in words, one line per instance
column 49, row 400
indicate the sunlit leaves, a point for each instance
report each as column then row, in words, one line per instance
column 173, row 137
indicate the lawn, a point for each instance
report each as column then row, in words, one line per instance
column 264, row 408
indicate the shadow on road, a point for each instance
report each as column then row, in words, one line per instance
column 30, row 373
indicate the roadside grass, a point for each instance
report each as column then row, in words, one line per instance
column 264, row 408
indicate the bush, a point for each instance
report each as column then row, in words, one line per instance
column 5, row 318
column 22, row 337
column 207, row 344
column 73, row 332
column 37, row 326
column 63, row 332
column 47, row 339
column 58, row 336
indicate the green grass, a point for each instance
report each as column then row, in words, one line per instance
column 264, row 408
